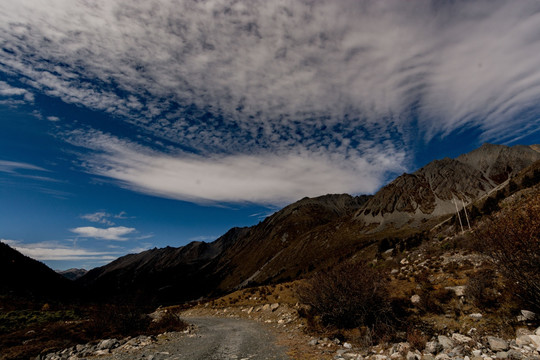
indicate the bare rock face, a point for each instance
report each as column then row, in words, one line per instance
column 439, row 180
column 499, row 162
column 432, row 190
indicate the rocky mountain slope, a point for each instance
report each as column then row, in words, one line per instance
column 313, row 234
column 432, row 190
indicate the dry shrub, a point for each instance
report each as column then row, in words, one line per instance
column 481, row 289
column 512, row 240
column 416, row 338
column 169, row 321
column 431, row 299
column 349, row 296
column 117, row 320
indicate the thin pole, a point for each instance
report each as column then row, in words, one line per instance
column 466, row 216
column 457, row 211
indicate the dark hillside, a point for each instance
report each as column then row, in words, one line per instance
column 31, row 279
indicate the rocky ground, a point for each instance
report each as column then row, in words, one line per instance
column 209, row 338
column 284, row 321
column 459, row 330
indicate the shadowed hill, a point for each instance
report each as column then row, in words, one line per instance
column 26, row 277
column 180, row 273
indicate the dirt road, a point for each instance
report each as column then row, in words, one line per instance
column 215, row 339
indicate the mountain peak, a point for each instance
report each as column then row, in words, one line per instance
column 430, row 190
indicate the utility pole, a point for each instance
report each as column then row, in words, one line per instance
column 466, row 216
column 457, row 212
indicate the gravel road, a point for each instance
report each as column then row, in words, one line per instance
column 215, row 339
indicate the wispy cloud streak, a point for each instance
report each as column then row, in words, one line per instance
column 264, row 178
column 50, row 250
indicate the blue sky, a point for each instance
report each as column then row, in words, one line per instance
column 128, row 125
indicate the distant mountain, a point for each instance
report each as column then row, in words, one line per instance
column 313, row 233
column 72, row 274
column 26, row 277
column 180, row 273
column 232, row 260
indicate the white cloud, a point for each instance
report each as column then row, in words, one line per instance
column 25, row 170
column 50, row 250
column 281, row 71
column 103, row 217
column 53, row 118
column 278, row 99
column 139, row 249
column 265, row 178
column 15, row 95
column 112, row 233
column 265, row 214
column 121, row 215
column 99, row 217
column 12, row 167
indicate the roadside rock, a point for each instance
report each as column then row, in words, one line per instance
column 497, row 344
column 433, row 347
column 528, row 315
column 442, row 356
column 461, row 338
column 108, row 344
column 514, row 355
column 446, row 342
column 458, row 290
column 523, row 340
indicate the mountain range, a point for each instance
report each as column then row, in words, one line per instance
column 313, row 233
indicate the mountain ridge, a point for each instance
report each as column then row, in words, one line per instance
column 433, row 189
column 312, row 234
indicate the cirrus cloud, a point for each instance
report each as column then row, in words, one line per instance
column 231, row 75
column 272, row 100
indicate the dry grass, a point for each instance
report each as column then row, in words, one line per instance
column 282, row 293
column 81, row 325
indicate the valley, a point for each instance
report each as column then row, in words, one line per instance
column 439, row 282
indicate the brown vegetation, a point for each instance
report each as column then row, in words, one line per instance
column 349, row 296
column 512, row 240
column 51, row 330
